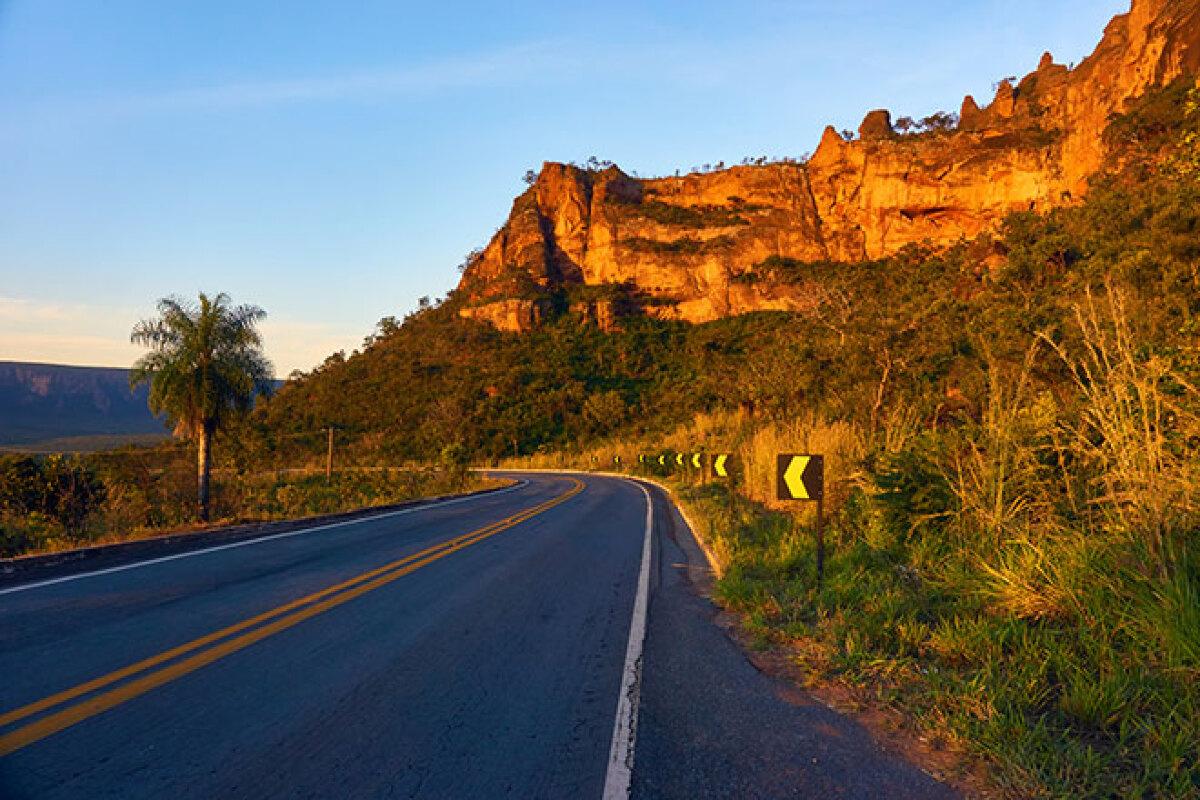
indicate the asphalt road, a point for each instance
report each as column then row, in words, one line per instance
column 479, row 648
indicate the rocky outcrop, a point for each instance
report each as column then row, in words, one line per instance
column 703, row 246
column 876, row 124
column 970, row 116
column 508, row 314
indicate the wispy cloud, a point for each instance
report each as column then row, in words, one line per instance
column 18, row 310
column 69, row 333
column 79, row 333
column 453, row 73
column 556, row 61
column 479, row 70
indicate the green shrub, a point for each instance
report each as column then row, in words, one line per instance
column 57, row 487
column 684, row 245
column 691, row 216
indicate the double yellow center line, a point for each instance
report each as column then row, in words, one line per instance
column 151, row 673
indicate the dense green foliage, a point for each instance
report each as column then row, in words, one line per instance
column 692, row 216
column 684, row 245
column 780, row 269
column 39, row 495
column 1054, row 657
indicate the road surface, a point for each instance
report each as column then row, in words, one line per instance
column 537, row 642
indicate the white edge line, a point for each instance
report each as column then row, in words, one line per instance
column 260, row 539
column 713, row 565
column 620, row 754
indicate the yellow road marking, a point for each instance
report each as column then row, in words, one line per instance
column 112, row 677
column 355, row 587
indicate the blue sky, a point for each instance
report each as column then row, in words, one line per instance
column 333, row 161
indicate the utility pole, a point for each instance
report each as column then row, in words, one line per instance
column 329, row 457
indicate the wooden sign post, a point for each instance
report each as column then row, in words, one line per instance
column 802, row 477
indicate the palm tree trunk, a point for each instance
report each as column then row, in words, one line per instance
column 203, row 468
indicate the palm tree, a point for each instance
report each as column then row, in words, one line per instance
column 205, row 362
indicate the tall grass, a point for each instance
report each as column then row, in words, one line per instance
column 842, row 443
column 1136, row 409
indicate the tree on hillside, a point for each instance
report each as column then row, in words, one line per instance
column 205, row 362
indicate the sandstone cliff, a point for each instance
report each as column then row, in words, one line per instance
column 703, row 246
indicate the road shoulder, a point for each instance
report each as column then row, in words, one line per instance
column 715, row 723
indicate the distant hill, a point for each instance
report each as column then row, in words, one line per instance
column 81, row 407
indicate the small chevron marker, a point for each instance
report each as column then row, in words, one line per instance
column 800, row 477
column 720, row 465
column 793, row 477
column 696, row 457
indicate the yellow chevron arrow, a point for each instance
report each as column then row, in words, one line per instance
column 662, row 461
column 696, row 460
column 719, row 466
column 793, row 477
column 679, row 459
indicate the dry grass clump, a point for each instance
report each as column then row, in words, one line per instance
column 842, row 443
column 1135, row 411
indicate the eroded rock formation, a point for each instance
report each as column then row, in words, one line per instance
column 703, row 246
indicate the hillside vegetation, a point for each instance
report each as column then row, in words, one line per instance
column 1014, row 445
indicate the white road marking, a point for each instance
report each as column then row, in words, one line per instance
column 259, row 540
column 620, row 754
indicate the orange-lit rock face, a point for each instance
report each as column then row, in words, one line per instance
column 507, row 315
column 697, row 247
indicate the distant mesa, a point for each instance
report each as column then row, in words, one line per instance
column 45, row 404
column 56, row 407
